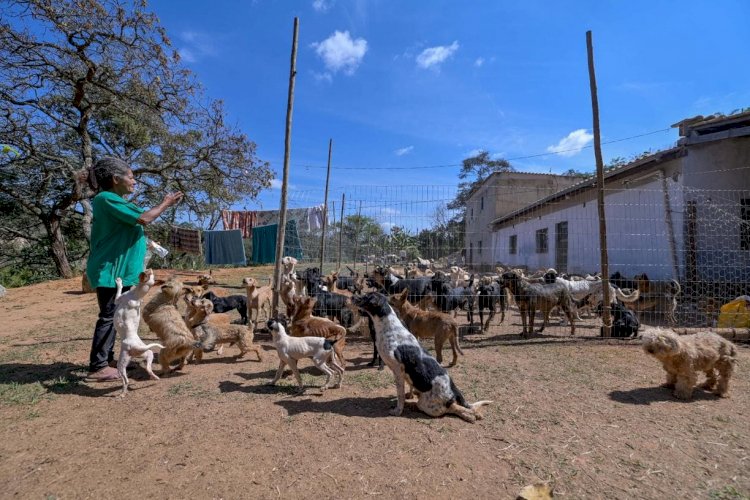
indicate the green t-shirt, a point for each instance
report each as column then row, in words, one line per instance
column 118, row 245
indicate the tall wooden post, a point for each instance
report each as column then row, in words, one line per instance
column 285, row 179
column 341, row 228
column 356, row 234
column 325, row 208
column 606, row 319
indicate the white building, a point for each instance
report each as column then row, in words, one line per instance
column 680, row 213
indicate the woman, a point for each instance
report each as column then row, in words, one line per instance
column 118, row 248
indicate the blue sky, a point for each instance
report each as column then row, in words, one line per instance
column 400, row 86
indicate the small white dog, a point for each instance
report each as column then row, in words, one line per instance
column 292, row 349
column 126, row 319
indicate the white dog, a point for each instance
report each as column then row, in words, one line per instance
column 292, row 349
column 126, row 319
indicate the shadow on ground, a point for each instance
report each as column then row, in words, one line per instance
column 648, row 395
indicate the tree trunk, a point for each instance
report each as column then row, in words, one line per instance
column 57, row 246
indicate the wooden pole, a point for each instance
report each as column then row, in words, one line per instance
column 325, row 208
column 341, row 228
column 285, row 179
column 606, row 319
column 356, row 237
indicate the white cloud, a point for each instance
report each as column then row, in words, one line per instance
column 341, row 53
column 403, row 151
column 387, row 226
column 276, row 184
column 186, row 55
column 322, row 5
column 572, row 144
column 322, row 77
column 435, row 56
column 195, row 46
column 479, row 62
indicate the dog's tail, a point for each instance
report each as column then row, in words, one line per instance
column 676, row 288
column 622, row 297
column 475, row 407
column 155, row 344
column 454, row 327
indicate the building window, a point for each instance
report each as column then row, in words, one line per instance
column 479, row 248
column 745, row 224
column 542, row 243
column 513, row 244
column 472, row 212
column 482, row 203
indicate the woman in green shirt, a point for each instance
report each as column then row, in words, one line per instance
column 118, row 248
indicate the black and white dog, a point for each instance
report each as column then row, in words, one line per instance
column 401, row 351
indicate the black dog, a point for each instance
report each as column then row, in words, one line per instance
column 624, row 321
column 488, row 297
column 448, row 298
column 332, row 305
column 226, row 304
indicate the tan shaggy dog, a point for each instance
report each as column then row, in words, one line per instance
column 684, row 356
column 258, row 298
column 428, row 324
column 212, row 335
column 163, row 318
column 304, row 324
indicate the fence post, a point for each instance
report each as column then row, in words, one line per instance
column 606, row 319
column 325, row 208
column 285, row 180
column 341, row 229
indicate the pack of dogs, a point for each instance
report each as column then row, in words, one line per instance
column 399, row 308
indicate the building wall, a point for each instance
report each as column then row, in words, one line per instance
column 717, row 179
column 637, row 229
column 501, row 194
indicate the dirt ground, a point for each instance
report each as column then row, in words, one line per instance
column 585, row 414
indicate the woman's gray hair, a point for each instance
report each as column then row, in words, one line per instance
column 101, row 176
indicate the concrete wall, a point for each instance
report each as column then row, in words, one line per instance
column 501, row 194
column 637, row 229
column 717, row 178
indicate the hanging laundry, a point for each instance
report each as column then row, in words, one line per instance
column 315, row 217
column 182, row 239
column 224, row 247
column 243, row 220
column 264, row 242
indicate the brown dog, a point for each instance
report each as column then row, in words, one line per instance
column 304, row 324
column 428, row 324
column 163, row 318
column 258, row 298
column 532, row 296
column 211, row 335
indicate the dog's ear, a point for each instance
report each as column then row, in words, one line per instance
column 402, row 296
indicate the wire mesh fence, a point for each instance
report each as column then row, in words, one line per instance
column 684, row 248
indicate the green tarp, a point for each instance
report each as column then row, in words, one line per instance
column 264, row 243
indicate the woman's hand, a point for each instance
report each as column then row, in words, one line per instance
column 173, row 198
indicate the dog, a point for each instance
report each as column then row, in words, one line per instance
column 258, row 299
column 288, row 264
column 304, row 324
column 489, row 295
column 229, row 303
column 206, row 280
column 292, row 349
column 624, row 322
column 164, row 319
column 428, row 324
column 211, row 335
column 683, row 357
column 532, row 296
column 449, row 298
column 581, row 288
column 660, row 296
column 436, row 392
column 126, row 320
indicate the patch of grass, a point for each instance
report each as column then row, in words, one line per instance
column 23, row 353
column 369, row 379
column 727, row 493
column 188, row 389
column 62, row 384
column 21, row 394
